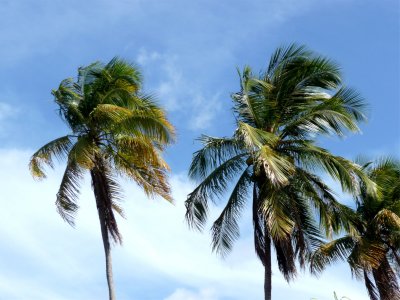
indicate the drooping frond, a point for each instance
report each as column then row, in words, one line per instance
column 139, row 149
column 115, row 120
column 333, row 216
column 371, row 288
column 57, row 148
column 327, row 115
column 83, row 152
column 285, row 256
column 68, row 192
column 214, row 152
column 108, row 195
column 225, row 229
column 277, row 213
column 259, row 225
column 331, row 252
column 344, row 171
column 152, row 178
column 214, row 185
column 306, row 236
column 277, row 168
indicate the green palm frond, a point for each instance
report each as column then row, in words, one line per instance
column 214, row 152
column 285, row 256
column 108, row 195
column 331, row 252
column 285, row 54
column 57, row 148
column 213, row 186
column 140, row 149
column 277, row 168
column 83, row 152
column 225, row 229
column 330, row 116
column 68, row 192
column 152, row 179
column 255, row 138
column 344, row 171
column 306, row 235
column 276, row 210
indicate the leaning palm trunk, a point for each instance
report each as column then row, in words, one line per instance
column 104, row 208
column 386, row 282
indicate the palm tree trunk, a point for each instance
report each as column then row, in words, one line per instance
column 386, row 281
column 100, row 192
column 267, row 266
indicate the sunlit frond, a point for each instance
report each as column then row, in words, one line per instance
column 214, row 152
column 57, row 148
column 83, row 152
column 332, row 252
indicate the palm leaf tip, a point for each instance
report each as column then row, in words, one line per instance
column 196, row 212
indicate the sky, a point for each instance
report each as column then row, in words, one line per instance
column 188, row 52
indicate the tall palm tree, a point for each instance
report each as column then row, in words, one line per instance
column 273, row 152
column 115, row 130
column 372, row 249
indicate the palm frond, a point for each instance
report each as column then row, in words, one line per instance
column 57, row 148
column 108, row 195
column 83, row 152
column 344, row 171
column 286, row 258
column 277, row 213
column 151, row 178
column 68, row 192
column 331, row 252
column 371, row 287
column 285, row 54
column 277, row 168
column 214, row 152
column 214, row 185
column 225, row 229
column 255, row 138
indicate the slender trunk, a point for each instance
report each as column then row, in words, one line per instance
column 386, row 281
column 267, row 266
column 100, row 192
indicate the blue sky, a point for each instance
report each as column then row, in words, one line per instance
column 188, row 52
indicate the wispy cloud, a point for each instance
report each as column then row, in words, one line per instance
column 184, row 294
column 178, row 92
column 47, row 259
column 6, row 111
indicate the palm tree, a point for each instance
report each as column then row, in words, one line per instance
column 115, row 130
column 273, row 152
column 372, row 249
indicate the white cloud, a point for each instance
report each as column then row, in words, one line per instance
column 184, row 294
column 207, row 111
column 178, row 93
column 47, row 259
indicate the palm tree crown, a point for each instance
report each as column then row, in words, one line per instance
column 273, row 152
column 372, row 250
column 115, row 129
